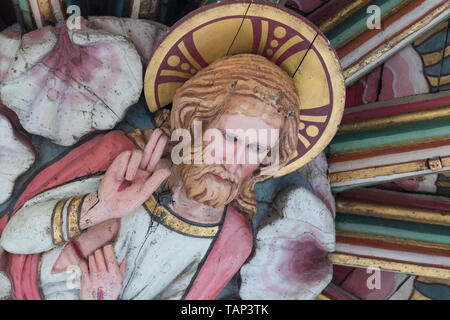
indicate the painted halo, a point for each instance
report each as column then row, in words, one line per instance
column 280, row 35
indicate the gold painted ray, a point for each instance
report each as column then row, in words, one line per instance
column 319, row 119
column 188, row 56
column 443, row 184
column 394, row 120
column 367, row 173
column 371, row 151
column 393, row 266
column 434, row 280
column 418, row 296
column 305, row 141
column 435, row 57
column 435, row 81
column 176, row 74
column 379, row 210
column 264, row 36
column 393, row 240
column 286, row 46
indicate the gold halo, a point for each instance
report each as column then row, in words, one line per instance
column 232, row 27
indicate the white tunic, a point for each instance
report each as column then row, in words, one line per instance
column 161, row 262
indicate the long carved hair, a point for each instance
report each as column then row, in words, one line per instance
column 203, row 97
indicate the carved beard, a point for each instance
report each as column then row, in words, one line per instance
column 202, row 187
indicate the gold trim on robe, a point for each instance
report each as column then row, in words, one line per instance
column 73, row 216
column 178, row 224
column 57, row 221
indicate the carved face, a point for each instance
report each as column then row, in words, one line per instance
column 245, row 92
column 242, row 140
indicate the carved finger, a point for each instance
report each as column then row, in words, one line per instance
column 118, row 168
column 92, row 265
column 84, row 269
column 111, row 259
column 100, row 260
column 148, row 151
column 157, row 153
column 153, row 183
column 133, row 165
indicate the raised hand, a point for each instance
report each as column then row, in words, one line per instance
column 128, row 182
column 102, row 277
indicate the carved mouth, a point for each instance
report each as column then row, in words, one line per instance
column 219, row 178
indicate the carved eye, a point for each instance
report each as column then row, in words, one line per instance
column 230, row 138
column 256, row 148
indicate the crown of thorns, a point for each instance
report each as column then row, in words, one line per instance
column 272, row 100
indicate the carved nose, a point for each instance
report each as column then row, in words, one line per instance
column 232, row 167
column 238, row 159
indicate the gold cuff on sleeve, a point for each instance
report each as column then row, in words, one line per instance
column 57, row 221
column 73, row 216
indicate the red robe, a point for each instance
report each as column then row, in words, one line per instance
column 228, row 253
